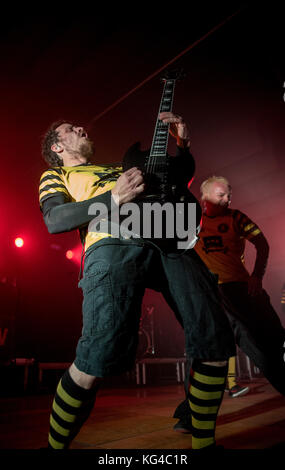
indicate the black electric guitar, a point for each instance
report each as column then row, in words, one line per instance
column 169, row 214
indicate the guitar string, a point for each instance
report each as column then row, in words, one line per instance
column 152, row 163
column 151, row 158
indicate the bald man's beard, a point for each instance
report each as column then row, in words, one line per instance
column 86, row 149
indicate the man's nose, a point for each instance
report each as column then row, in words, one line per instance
column 78, row 129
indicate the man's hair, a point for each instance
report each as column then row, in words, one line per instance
column 213, row 179
column 50, row 138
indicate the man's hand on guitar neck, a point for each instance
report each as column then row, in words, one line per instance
column 178, row 128
column 128, row 186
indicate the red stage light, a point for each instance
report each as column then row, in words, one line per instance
column 69, row 254
column 74, row 254
column 19, row 242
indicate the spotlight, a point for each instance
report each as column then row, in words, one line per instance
column 19, row 242
column 69, row 254
column 74, row 254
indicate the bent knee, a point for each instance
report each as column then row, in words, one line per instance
column 82, row 379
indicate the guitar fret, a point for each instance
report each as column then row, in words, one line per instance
column 160, row 143
column 161, row 134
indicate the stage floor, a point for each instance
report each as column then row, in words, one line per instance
column 141, row 418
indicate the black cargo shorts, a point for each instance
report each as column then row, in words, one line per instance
column 116, row 274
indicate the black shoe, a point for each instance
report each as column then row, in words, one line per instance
column 238, row 391
column 183, row 426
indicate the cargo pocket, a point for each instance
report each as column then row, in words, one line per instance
column 97, row 306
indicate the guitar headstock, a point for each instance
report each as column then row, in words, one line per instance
column 173, row 74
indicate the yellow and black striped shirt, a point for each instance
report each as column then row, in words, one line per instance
column 77, row 184
column 221, row 244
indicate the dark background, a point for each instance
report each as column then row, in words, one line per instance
column 74, row 64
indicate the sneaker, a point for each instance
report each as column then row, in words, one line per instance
column 237, row 391
column 183, row 426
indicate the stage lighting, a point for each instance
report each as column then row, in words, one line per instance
column 69, row 254
column 74, row 254
column 19, row 242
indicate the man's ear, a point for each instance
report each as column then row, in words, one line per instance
column 56, row 148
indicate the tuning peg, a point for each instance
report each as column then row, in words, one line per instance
column 173, row 74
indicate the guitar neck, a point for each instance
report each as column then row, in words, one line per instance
column 161, row 133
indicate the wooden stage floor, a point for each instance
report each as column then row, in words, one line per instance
column 141, row 418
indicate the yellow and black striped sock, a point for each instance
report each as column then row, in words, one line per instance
column 71, row 407
column 207, row 385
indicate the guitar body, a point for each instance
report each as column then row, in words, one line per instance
column 167, row 185
column 171, row 173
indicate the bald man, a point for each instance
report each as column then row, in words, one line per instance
column 256, row 325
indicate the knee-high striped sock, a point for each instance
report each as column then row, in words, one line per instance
column 70, row 409
column 207, row 385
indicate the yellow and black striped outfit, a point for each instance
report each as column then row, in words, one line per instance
column 221, row 245
column 257, row 327
column 71, row 407
column 206, row 391
column 79, row 186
